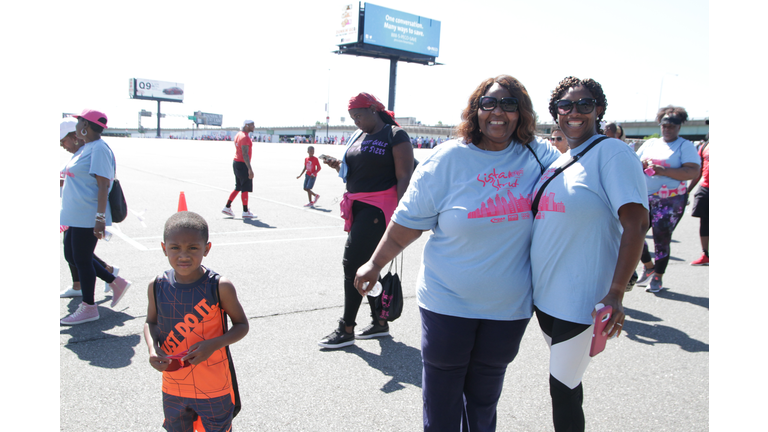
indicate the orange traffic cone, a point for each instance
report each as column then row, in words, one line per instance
column 182, row 202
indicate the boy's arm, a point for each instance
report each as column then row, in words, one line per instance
column 200, row 351
column 317, row 164
column 302, row 171
column 159, row 362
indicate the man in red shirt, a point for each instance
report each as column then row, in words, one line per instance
column 242, row 168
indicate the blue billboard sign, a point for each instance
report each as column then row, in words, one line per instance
column 400, row 30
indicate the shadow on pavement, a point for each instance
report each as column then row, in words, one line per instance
column 676, row 296
column 108, row 351
column 397, row 360
column 652, row 334
column 257, row 223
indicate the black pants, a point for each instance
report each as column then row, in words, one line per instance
column 79, row 244
column 368, row 226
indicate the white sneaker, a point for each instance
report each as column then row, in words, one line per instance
column 83, row 314
column 228, row 211
column 248, row 215
column 71, row 292
column 115, row 271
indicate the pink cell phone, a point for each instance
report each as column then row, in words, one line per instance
column 176, row 362
column 598, row 340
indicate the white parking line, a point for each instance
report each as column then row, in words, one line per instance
column 269, row 241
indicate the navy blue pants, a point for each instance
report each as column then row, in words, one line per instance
column 464, row 363
column 79, row 244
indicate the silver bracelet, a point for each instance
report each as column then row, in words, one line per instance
column 101, row 217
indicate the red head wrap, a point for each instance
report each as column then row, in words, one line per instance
column 367, row 100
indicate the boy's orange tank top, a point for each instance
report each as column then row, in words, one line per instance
column 187, row 314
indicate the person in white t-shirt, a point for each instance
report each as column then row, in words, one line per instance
column 669, row 162
column 587, row 237
column 474, row 286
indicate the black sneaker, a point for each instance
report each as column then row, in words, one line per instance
column 338, row 339
column 373, row 330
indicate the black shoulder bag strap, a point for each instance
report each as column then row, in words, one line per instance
column 536, row 157
column 574, row 159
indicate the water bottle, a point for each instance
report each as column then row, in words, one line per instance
column 376, row 291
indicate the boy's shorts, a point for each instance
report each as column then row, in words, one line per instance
column 309, row 181
column 215, row 413
column 242, row 182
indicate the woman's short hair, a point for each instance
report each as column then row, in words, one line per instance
column 469, row 128
column 590, row 84
column 186, row 220
column 673, row 111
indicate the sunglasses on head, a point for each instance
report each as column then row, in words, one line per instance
column 583, row 106
column 507, row 104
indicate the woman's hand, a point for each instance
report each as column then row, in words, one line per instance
column 98, row 229
column 332, row 162
column 369, row 272
column 616, row 322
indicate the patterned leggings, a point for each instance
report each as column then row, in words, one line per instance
column 665, row 214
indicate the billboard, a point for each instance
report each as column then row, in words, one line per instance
column 208, row 119
column 400, row 30
column 349, row 24
column 140, row 88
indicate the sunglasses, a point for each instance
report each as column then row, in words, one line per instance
column 583, row 106
column 507, row 104
column 558, row 138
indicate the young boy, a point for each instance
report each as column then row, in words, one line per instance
column 186, row 331
column 312, row 167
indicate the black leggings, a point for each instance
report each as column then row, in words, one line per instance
column 368, row 226
column 79, row 244
column 569, row 344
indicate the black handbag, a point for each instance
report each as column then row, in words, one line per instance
column 389, row 305
column 117, row 203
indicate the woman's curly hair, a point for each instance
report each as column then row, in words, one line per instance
column 674, row 111
column 588, row 83
column 469, row 128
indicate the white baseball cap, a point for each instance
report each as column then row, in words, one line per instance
column 66, row 127
column 247, row 122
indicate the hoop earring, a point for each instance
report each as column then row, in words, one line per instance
column 84, row 132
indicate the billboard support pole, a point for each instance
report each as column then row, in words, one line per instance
column 392, row 82
column 158, row 119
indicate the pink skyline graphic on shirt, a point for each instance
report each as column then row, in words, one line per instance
column 501, row 206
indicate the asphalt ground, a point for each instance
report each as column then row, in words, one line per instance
column 286, row 267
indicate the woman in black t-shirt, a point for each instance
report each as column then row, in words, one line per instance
column 377, row 167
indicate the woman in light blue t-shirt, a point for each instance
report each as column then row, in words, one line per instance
column 474, row 287
column 85, row 210
column 669, row 163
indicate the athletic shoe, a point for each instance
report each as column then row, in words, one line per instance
column 115, row 271
column 703, row 261
column 632, row 282
column 119, row 287
column 317, row 197
column 248, row 215
column 338, row 339
column 373, row 330
column 70, row 292
column 646, row 277
column 228, row 211
column 655, row 284
column 83, row 314
column 308, row 204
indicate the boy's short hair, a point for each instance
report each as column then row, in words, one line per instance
column 186, row 220
column 310, row 148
